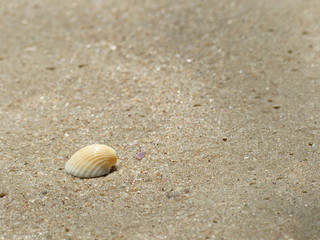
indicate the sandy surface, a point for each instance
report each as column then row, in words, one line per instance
column 222, row 95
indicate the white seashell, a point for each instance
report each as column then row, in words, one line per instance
column 92, row 161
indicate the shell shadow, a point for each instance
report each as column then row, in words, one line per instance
column 113, row 169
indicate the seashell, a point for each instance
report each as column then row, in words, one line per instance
column 92, row 161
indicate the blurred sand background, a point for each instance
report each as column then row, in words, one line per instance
column 222, row 95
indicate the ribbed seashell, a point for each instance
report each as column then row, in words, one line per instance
column 92, row 161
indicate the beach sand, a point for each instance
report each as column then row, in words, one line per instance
column 223, row 96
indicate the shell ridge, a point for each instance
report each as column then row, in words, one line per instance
column 86, row 167
column 97, row 164
column 80, row 160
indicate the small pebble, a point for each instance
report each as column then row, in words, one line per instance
column 141, row 155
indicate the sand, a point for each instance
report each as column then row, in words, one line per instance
column 223, row 96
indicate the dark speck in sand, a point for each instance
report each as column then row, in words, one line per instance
column 51, row 68
column 82, row 65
